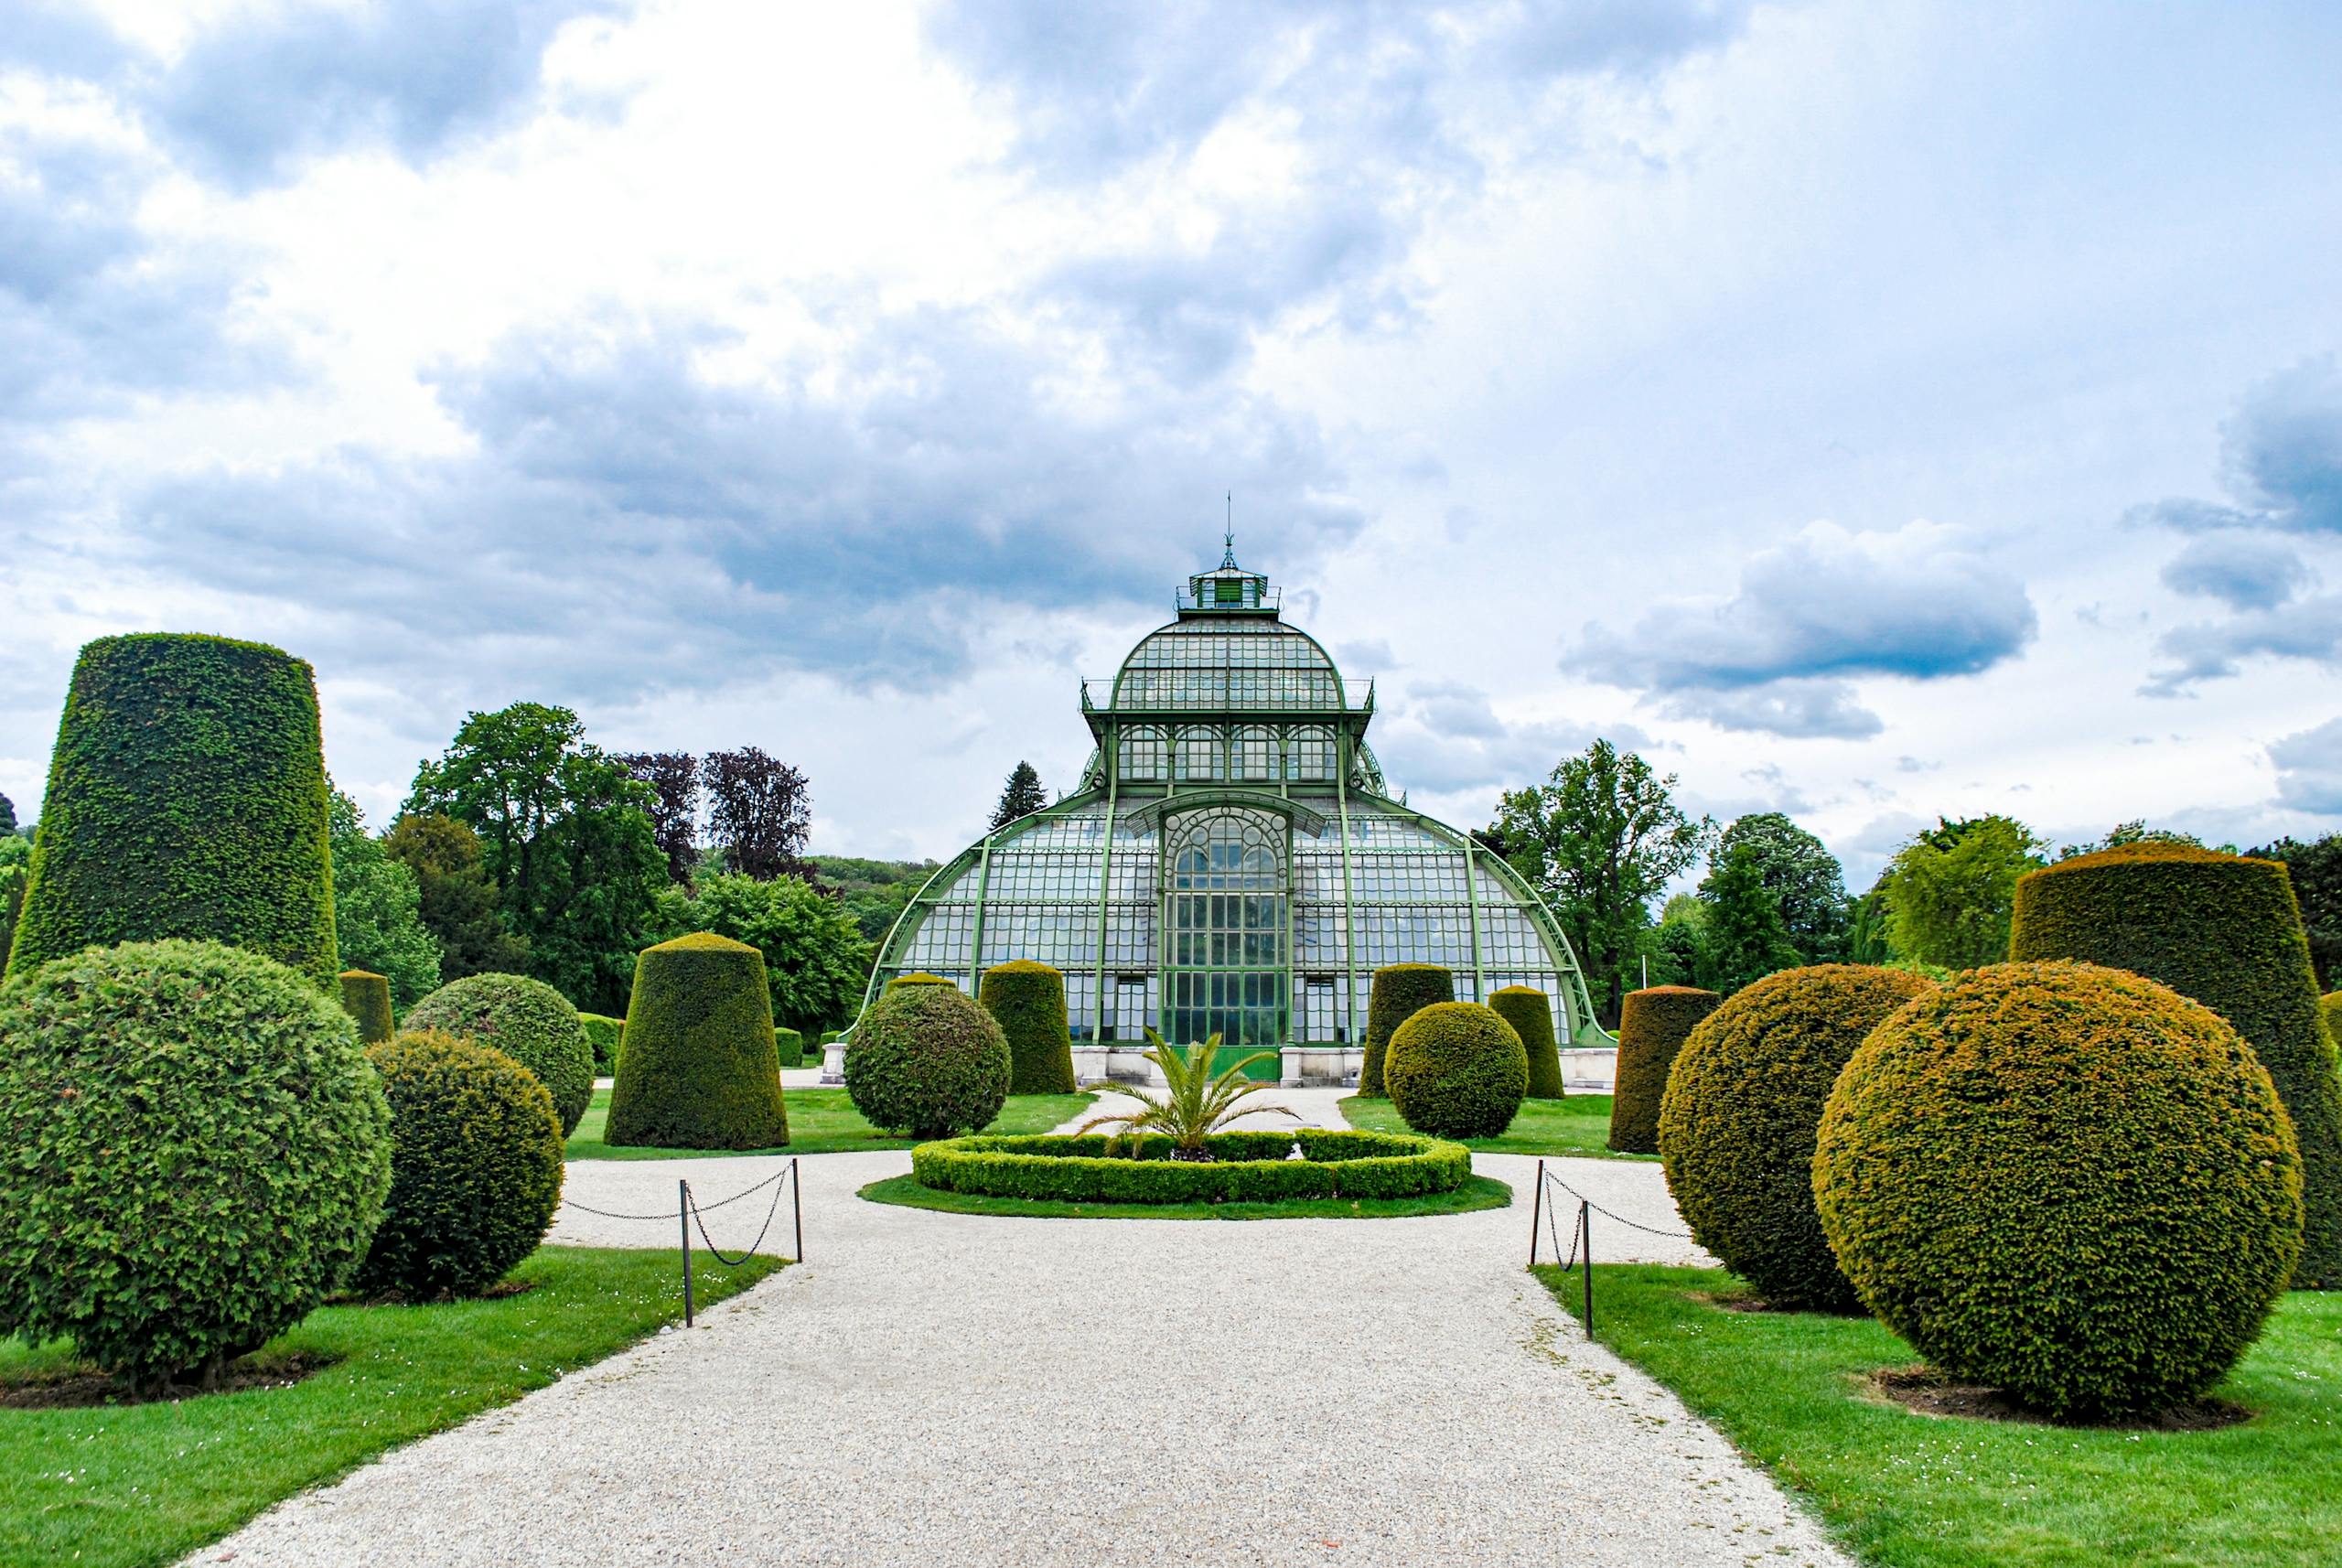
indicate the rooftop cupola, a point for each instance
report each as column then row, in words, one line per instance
column 1227, row 590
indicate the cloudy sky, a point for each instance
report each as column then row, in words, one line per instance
column 1867, row 410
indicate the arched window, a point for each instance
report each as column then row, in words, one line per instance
column 1309, row 755
column 1143, row 755
column 1228, row 915
column 1203, row 754
column 1256, row 754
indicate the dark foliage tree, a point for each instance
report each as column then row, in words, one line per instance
column 2316, row 871
column 761, row 812
column 460, row 903
column 673, row 779
column 1020, row 796
column 1746, row 937
column 1807, row 884
column 7, row 816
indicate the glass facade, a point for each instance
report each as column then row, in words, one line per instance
column 1234, row 862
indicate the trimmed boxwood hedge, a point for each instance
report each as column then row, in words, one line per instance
column 2225, row 931
column 1028, row 1000
column 1735, row 1126
column 2068, row 1182
column 920, row 977
column 366, row 996
column 197, row 1154
column 926, row 1059
column 1401, row 991
column 790, row 1046
column 608, row 1036
column 1653, row 1023
column 1247, row 1167
column 702, row 1065
column 475, row 1167
column 187, row 798
column 1530, row 1013
column 1457, row 1069
column 528, row 1021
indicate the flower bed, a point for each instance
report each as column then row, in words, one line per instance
column 1250, row 1167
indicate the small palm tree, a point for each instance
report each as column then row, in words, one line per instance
column 1196, row 1103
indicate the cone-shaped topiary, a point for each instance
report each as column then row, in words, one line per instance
column 2225, row 931
column 197, row 1154
column 366, row 996
column 702, row 1066
column 926, row 1059
column 475, row 1167
column 2067, row 1182
column 1457, row 1069
column 790, row 1046
column 1530, row 1013
column 1735, row 1125
column 1028, row 1000
column 187, row 798
column 1653, row 1023
column 605, row 1035
column 1401, row 991
column 528, row 1021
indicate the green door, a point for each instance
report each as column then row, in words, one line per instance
column 1225, row 920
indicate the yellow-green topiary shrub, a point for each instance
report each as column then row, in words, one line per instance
column 926, row 1059
column 1735, row 1125
column 1457, row 1069
column 2225, row 931
column 920, row 977
column 1401, row 991
column 790, row 1045
column 701, row 1067
column 1028, row 1000
column 1530, row 1013
column 366, row 996
column 608, row 1036
column 1653, row 1023
column 2067, row 1182
column 528, row 1021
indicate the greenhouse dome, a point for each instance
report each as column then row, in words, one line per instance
column 1234, row 864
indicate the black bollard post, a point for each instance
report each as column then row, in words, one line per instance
column 1536, row 1212
column 797, row 1202
column 684, row 1215
column 1586, row 1235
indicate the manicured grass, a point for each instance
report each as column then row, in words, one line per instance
column 117, row 1486
column 1577, row 1125
column 824, row 1121
column 1918, row 1491
column 1477, row 1192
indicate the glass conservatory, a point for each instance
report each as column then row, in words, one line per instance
column 1234, row 864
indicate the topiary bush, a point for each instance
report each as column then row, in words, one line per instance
column 702, row 1066
column 926, row 1060
column 1457, row 1069
column 2225, row 931
column 920, row 977
column 1530, row 1013
column 1653, row 1023
column 1735, row 1125
column 607, row 1035
column 366, row 996
column 1401, row 991
column 528, row 1021
column 2068, row 1182
column 187, row 798
column 790, row 1046
column 475, row 1167
column 1027, row 1001
column 196, row 1155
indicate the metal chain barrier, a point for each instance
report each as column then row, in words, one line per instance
column 1608, row 1214
column 708, row 1242
column 1581, row 1233
column 689, row 1213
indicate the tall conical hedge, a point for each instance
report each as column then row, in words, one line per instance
column 1530, row 1013
column 366, row 996
column 1653, row 1023
column 1401, row 991
column 187, row 798
column 700, row 1068
column 2225, row 931
column 1028, row 1000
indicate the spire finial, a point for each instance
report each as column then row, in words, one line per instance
column 1228, row 561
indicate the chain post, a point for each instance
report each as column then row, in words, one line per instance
column 1585, row 1233
column 1536, row 1214
column 797, row 1202
column 684, row 1214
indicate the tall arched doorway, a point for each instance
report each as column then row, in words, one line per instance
column 1227, row 931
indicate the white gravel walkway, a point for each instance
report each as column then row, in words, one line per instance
column 946, row 1389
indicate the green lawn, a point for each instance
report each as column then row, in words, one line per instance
column 824, row 1121
column 123, row 1485
column 1478, row 1192
column 1577, row 1125
column 1918, row 1491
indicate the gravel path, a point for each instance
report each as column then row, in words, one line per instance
column 951, row 1389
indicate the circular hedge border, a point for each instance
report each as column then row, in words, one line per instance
column 1247, row 1167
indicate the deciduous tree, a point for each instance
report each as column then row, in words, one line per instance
column 673, row 779
column 1808, row 886
column 460, row 901
column 760, row 812
column 377, row 904
column 1950, row 890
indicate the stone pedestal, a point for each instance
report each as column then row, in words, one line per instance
column 1590, row 1071
column 834, row 1062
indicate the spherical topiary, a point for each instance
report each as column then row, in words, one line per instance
column 1028, row 1000
column 919, row 977
column 528, row 1021
column 604, row 1033
column 366, row 996
column 2225, row 931
column 2068, row 1182
column 1457, row 1069
column 1530, row 1013
column 193, row 1152
column 475, row 1167
column 700, row 1068
column 1401, row 991
column 926, row 1060
column 187, row 798
column 1735, row 1125
column 1653, row 1023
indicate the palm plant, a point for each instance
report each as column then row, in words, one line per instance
column 1197, row 1103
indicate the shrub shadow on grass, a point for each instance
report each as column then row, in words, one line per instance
column 79, row 1386
column 1923, row 1390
